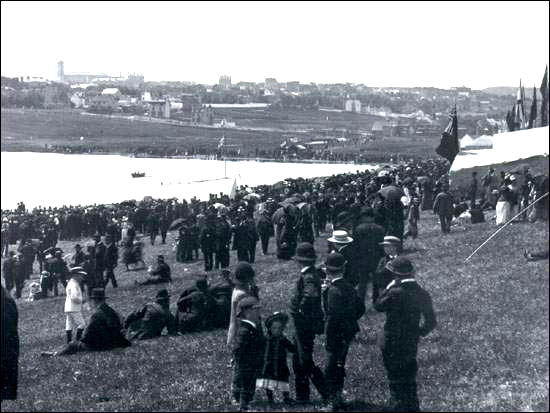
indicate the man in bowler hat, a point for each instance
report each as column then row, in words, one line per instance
column 307, row 314
column 405, row 304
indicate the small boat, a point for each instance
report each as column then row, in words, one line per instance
column 138, row 174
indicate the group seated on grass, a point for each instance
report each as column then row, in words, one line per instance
column 201, row 307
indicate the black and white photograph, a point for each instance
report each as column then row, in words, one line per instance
column 274, row 206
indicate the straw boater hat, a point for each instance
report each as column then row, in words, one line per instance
column 98, row 294
column 400, row 266
column 391, row 240
column 340, row 237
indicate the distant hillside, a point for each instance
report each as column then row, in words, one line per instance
column 501, row 90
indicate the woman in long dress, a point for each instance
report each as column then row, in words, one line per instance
column 504, row 203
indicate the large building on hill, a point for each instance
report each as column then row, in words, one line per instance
column 132, row 80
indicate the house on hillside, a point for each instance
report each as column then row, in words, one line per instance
column 112, row 91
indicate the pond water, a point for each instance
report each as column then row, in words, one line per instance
column 50, row 179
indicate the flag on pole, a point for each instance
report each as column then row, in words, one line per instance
column 449, row 147
column 233, row 192
column 533, row 114
column 544, row 103
column 221, row 142
column 519, row 113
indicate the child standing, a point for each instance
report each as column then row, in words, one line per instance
column 275, row 374
column 73, row 305
column 248, row 352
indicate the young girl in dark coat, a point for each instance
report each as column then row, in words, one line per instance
column 275, row 373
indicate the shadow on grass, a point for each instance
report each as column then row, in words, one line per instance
column 412, row 250
column 363, row 406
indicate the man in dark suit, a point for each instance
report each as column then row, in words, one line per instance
column 78, row 257
column 404, row 303
column 382, row 277
column 111, row 261
column 8, row 271
column 100, row 249
column 368, row 237
column 307, row 313
column 248, row 352
column 10, row 347
column 103, row 332
column 223, row 239
column 343, row 307
column 149, row 321
column 443, row 207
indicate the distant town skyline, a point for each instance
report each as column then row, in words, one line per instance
column 420, row 44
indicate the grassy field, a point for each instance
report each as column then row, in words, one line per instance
column 489, row 351
column 30, row 130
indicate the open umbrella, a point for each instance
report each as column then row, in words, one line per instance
column 391, row 192
column 176, row 224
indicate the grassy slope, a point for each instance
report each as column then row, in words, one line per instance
column 489, row 351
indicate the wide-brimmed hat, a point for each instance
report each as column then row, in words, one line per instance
column 340, row 237
column 391, row 240
column 276, row 316
column 77, row 271
column 162, row 295
column 98, row 294
column 246, row 303
column 400, row 266
column 335, row 261
column 305, row 252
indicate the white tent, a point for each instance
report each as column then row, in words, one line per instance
column 507, row 147
column 466, row 141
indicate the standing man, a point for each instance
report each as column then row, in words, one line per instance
column 58, row 270
column 405, row 304
column 164, row 224
column 223, row 239
column 78, row 257
column 10, row 348
column 307, row 314
column 100, row 251
column 153, row 226
column 28, row 252
column 111, row 261
column 443, row 207
column 382, row 277
column 472, row 190
column 265, row 229
column 8, row 271
column 208, row 241
column 343, row 307
column 368, row 238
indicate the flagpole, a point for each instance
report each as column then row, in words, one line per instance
column 506, row 224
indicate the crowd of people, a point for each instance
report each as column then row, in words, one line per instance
column 370, row 215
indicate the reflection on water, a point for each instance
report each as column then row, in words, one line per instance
column 50, row 179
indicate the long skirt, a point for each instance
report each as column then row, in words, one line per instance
column 504, row 212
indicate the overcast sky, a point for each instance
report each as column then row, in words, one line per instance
column 378, row 44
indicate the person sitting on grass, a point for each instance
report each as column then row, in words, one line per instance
column 103, row 332
column 196, row 308
column 150, row 321
column 248, row 352
column 538, row 255
column 275, row 372
column 160, row 274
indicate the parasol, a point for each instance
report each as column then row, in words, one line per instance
column 176, row 224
